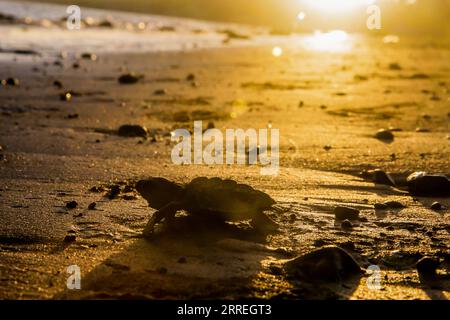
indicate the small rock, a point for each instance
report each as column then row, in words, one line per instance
column 384, row 135
column 182, row 260
column 92, row 206
column 129, row 78
column 423, row 184
column 380, row 206
column 381, row 177
column 89, row 56
column 394, row 204
column 427, row 266
column 72, row 116
column 343, row 213
column 190, row 77
column 394, row 66
column 329, row 264
column 422, row 130
column 113, row 192
column 160, row 92
column 327, row 147
column 346, row 225
column 129, row 130
column 71, row 204
column 70, row 238
column 436, row 206
column 58, row 84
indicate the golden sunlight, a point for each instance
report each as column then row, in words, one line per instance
column 333, row 6
column 333, row 41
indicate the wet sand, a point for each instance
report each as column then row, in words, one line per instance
column 316, row 99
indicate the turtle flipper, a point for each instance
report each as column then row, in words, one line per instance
column 166, row 212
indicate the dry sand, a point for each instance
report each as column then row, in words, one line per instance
column 48, row 160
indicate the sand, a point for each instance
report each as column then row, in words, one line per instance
column 315, row 98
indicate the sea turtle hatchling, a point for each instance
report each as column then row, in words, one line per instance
column 207, row 198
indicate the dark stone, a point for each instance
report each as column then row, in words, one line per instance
column 384, row 135
column 57, row 84
column 329, row 264
column 380, row 206
column 343, row 213
column 381, row 177
column 436, row 206
column 129, row 78
column 428, row 185
column 190, row 77
column 89, row 56
column 129, row 130
column 182, row 260
column 92, row 206
column 427, row 266
column 160, row 92
column 394, row 204
column 71, row 204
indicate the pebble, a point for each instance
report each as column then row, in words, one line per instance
column 160, row 92
column 92, row 206
column 129, row 130
column 384, row 135
column 57, row 84
column 436, row 206
column 190, row 77
column 329, row 264
column 346, row 213
column 381, row 177
column 71, row 204
column 424, row 184
column 327, row 147
column 89, row 56
column 182, row 260
column 128, row 78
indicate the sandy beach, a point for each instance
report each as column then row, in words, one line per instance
column 327, row 103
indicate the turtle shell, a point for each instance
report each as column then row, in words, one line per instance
column 236, row 201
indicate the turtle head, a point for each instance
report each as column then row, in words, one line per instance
column 159, row 191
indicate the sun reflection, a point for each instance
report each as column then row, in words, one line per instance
column 334, row 41
column 277, row 51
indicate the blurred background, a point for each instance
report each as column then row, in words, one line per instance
column 413, row 17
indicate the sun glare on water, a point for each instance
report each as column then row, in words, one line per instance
column 333, row 41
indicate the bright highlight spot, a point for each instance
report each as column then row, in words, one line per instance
column 277, row 51
column 334, row 41
column 391, row 38
column 301, row 16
